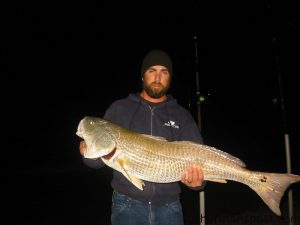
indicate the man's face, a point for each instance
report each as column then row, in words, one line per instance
column 156, row 81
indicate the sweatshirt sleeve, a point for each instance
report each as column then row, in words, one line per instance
column 190, row 130
column 93, row 163
column 109, row 113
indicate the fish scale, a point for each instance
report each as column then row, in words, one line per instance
column 141, row 157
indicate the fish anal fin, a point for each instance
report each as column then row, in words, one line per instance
column 223, row 181
column 134, row 180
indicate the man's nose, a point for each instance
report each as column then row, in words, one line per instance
column 157, row 77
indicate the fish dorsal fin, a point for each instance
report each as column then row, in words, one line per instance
column 226, row 155
column 217, row 151
column 157, row 138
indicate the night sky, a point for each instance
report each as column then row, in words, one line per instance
column 63, row 61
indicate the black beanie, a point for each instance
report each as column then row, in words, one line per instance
column 156, row 57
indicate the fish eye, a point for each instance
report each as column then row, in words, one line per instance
column 92, row 122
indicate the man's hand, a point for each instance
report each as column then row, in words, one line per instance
column 193, row 176
column 82, row 147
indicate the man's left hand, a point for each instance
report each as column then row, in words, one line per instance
column 193, row 176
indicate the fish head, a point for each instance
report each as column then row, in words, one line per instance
column 97, row 135
column 88, row 125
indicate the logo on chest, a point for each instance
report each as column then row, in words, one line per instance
column 171, row 123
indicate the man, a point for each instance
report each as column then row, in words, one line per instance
column 154, row 112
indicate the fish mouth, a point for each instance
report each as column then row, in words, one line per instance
column 80, row 129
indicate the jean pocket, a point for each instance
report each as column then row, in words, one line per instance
column 175, row 207
column 120, row 202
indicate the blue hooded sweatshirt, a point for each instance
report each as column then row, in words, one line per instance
column 166, row 119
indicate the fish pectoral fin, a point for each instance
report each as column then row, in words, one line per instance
column 223, row 181
column 134, row 180
column 137, row 182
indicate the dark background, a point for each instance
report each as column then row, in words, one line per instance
column 62, row 61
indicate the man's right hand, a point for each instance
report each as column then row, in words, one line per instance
column 82, row 147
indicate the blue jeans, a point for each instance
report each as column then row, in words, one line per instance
column 127, row 211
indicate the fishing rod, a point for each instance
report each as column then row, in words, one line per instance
column 285, row 127
column 198, row 97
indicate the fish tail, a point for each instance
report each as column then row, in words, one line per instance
column 271, row 187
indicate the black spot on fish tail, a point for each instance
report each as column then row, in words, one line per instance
column 264, row 179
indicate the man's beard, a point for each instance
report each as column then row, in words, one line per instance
column 154, row 92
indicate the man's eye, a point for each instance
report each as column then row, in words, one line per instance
column 165, row 73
